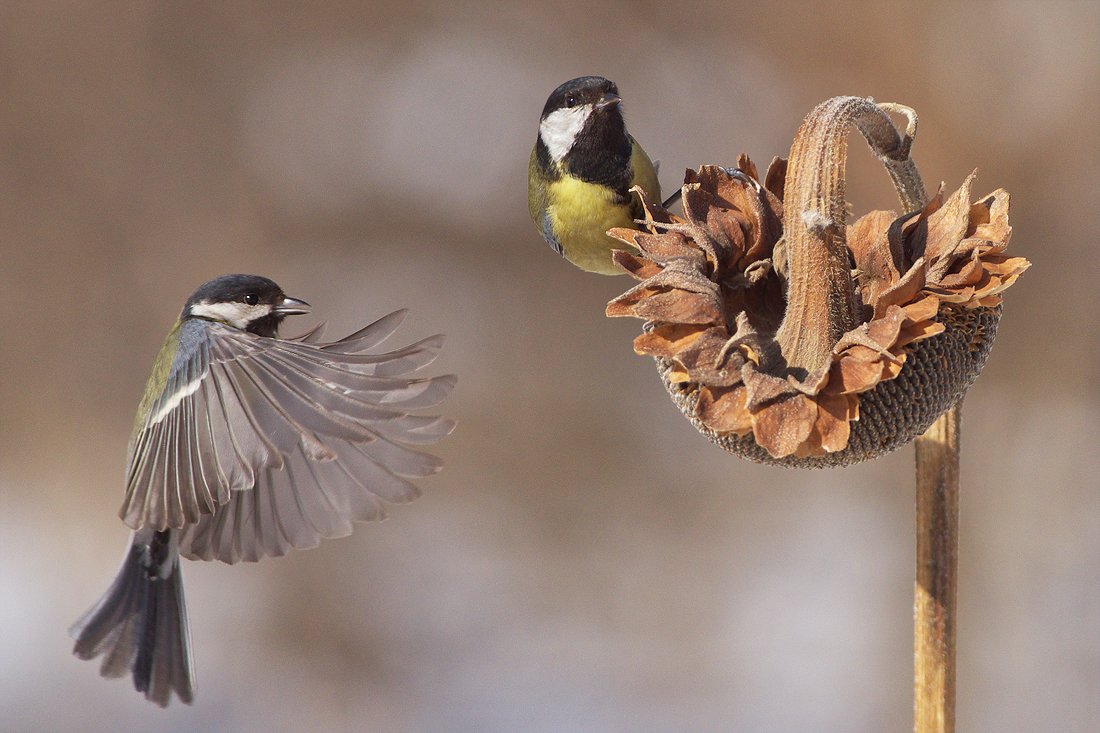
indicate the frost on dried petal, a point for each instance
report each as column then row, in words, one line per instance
column 667, row 340
column 962, row 246
column 946, row 230
column 989, row 219
column 711, row 360
column 637, row 266
column 832, row 426
column 904, row 289
column 679, row 306
column 775, row 178
column 782, row 427
column 667, row 247
column 712, row 289
column 877, row 266
column 724, row 408
column 763, row 388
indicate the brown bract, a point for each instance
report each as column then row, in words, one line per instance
column 713, row 293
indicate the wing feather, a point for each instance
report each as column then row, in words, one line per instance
column 385, row 390
column 310, row 405
column 170, row 484
column 247, row 412
column 298, row 506
column 369, row 336
column 258, row 445
column 202, row 463
column 214, row 431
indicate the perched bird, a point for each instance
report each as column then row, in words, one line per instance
column 581, row 171
column 245, row 446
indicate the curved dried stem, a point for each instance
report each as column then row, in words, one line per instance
column 821, row 303
column 903, row 171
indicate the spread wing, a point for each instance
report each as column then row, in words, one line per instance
column 257, row 445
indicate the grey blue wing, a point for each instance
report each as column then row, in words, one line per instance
column 549, row 236
column 185, row 457
column 305, row 501
column 281, row 443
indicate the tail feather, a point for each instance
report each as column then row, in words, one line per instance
column 140, row 623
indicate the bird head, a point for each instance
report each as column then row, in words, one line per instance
column 585, row 107
column 248, row 302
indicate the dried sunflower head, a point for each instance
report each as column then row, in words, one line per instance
column 717, row 284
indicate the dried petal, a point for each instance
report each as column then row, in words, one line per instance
column 946, row 229
column 637, row 267
column 625, row 304
column 989, row 218
column 663, row 248
column 677, row 376
column 877, row 265
column 667, row 340
column 969, row 273
column 763, row 387
column 720, row 200
column 1005, row 266
column 922, row 310
column 991, row 284
column 746, row 166
column 781, row 427
column 775, row 178
column 961, row 295
column 832, row 427
column 679, row 306
column 654, row 212
column 877, row 334
column 911, row 231
column 625, row 235
column 723, row 410
column 850, row 374
column 904, row 290
column 918, row 331
column 682, row 274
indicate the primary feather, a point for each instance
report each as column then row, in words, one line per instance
column 236, row 407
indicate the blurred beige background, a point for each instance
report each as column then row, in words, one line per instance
column 585, row 561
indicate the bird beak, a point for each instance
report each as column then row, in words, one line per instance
column 292, row 307
column 608, row 100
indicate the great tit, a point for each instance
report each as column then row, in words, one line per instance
column 582, row 168
column 245, row 446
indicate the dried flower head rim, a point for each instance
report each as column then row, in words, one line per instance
column 730, row 300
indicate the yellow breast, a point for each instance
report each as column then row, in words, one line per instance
column 580, row 214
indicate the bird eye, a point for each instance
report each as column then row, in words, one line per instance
column 570, row 101
column 251, row 299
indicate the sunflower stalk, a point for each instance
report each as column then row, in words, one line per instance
column 935, row 589
column 814, row 224
column 937, row 475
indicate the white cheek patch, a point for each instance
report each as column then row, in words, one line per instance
column 238, row 315
column 561, row 127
